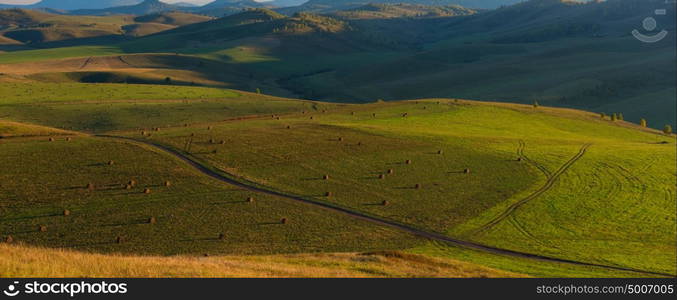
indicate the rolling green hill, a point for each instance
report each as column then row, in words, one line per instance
column 507, row 54
column 560, row 183
column 39, row 29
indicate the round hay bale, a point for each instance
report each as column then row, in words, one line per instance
column 328, row 194
column 185, row 125
column 284, row 221
column 391, row 171
column 222, row 236
column 42, row 228
column 250, row 199
column 119, row 240
column 131, row 183
column 168, row 183
column 212, row 141
column 312, row 118
column 466, row 171
column 66, row 213
column 215, row 151
column 51, row 139
column 417, row 186
column 278, row 118
column 340, row 139
column 352, row 113
column 192, row 134
column 90, row 186
column 209, row 128
column 68, row 139
column 325, row 177
column 288, row 126
column 439, row 151
column 222, row 142
column 152, row 220
column 110, row 162
column 9, row 239
column 359, row 143
column 373, row 115
column 146, row 191
column 157, row 128
column 519, row 159
column 408, row 161
column 385, row 203
column 381, row 176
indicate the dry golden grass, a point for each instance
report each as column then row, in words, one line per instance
column 27, row 261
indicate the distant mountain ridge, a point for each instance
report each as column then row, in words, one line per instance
column 143, row 8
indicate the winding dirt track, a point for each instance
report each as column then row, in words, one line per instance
column 552, row 178
column 388, row 223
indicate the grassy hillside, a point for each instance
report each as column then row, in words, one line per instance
column 37, row 28
column 356, row 152
column 190, row 214
column 477, row 171
column 23, row 261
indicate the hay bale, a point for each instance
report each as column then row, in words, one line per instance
column 352, row 113
column 146, row 191
column 157, row 128
column 340, row 139
column 284, row 221
column 408, row 161
column 119, row 240
column 66, row 213
column 51, row 139
column 325, row 177
column 222, row 236
column 212, row 141
column 42, row 228
column 222, row 142
column 312, row 118
column 185, row 125
column 373, row 115
column 209, row 128
column 215, row 151
column 288, row 126
column 68, row 139
column 466, row 171
column 439, row 151
column 385, row 203
column 168, row 183
column 132, row 183
column 110, row 162
column 417, row 186
column 359, row 143
column 9, row 239
column 192, row 134
column 328, row 194
column 90, row 186
column 152, row 220
column 519, row 159
column 391, row 171
column 250, row 199
column 381, row 176
column 278, row 118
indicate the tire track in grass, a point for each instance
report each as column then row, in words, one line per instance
column 546, row 187
column 225, row 177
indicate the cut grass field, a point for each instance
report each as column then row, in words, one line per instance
column 624, row 214
column 193, row 214
column 469, row 163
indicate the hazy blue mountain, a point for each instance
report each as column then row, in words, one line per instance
column 143, row 8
